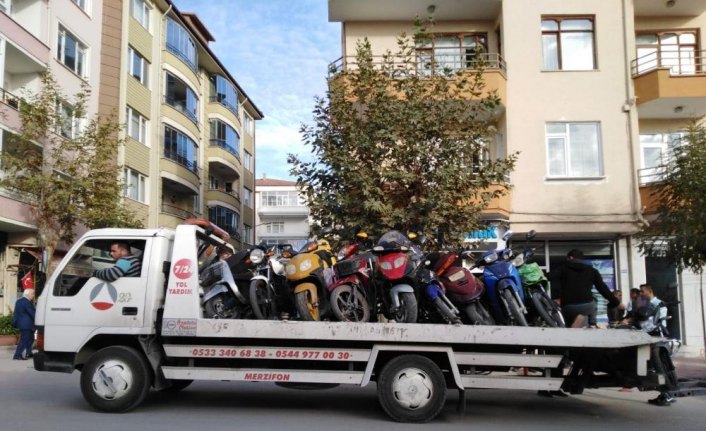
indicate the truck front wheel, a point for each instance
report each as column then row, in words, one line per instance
column 116, row 379
column 411, row 388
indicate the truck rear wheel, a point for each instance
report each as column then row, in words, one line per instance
column 116, row 379
column 411, row 388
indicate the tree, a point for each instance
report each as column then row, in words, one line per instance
column 67, row 180
column 397, row 144
column 679, row 232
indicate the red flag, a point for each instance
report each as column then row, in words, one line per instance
column 28, row 281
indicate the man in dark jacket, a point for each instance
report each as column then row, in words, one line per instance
column 571, row 286
column 23, row 319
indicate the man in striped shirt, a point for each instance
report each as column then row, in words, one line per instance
column 126, row 265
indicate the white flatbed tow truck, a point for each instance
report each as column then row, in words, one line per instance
column 135, row 334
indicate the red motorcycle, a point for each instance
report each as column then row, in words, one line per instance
column 395, row 278
column 350, row 290
column 462, row 289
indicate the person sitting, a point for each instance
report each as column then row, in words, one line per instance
column 126, row 265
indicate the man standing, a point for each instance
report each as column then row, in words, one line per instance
column 23, row 319
column 126, row 265
column 571, row 286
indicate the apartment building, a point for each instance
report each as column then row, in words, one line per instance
column 592, row 96
column 37, row 35
column 282, row 216
column 189, row 127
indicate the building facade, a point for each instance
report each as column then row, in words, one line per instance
column 189, row 128
column 281, row 216
column 592, row 96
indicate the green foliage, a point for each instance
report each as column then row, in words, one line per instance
column 679, row 233
column 67, row 181
column 6, row 325
column 398, row 147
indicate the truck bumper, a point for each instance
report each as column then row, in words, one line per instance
column 61, row 362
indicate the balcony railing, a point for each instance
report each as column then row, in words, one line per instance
column 231, row 192
column 222, row 101
column 426, row 63
column 176, row 211
column 181, row 108
column 183, row 161
column 684, row 63
column 222, row 143
column 10, row 99
column 182, row 56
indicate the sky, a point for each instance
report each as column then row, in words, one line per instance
column 278, row 51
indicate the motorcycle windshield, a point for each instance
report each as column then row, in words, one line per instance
column 394, row 239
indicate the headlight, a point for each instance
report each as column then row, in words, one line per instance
column 386, row 265
column 305, row 265
column 400, row 261
column 490, row 258
column 257, row 256
column 519, row 260
column 291, row 269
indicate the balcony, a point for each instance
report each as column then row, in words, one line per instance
column 221, row 194
column 289, row 211
column 670, row 85
column 440, row 62
column 649, row 179
column 498, row 208
column 405, row 10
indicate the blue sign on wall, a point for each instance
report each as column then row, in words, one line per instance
column 487, row 233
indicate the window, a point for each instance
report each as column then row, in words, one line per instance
column 68, row 125
column 574, row 150
column 197, row 203
column 275, row 227
column 181, row 97
column 93, row 255
column 246, row 197
column 136, row 125
column 137, row 66
column 180, row 43
column 247, row 160
column 223, row 92
column 655, row 150
column 71, row 52
column 5, row 6
column 676, row 50
column 141, row 11
column 225, row 218
column 180, row 149
column 135, row 185
column 567, row 43
column 81, row 4
column 451, row 52
column 247, row 233
column 279, row 199
column 224, row 136
column 248, row 124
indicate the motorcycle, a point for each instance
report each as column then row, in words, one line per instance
column 308, row 274
column 395, row 278
column 223, row 298
column 350, row 290
column 268, row 288
column 543, row 310
column 503, row 286
column 459, row 289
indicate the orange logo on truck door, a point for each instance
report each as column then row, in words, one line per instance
column 182, row 269
column 103, row 296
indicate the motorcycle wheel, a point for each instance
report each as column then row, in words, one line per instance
column 446, row 312
column 349, row 307
column 307, row 310
column 547, row 310
column 407, row 313
column 478, row 315
column 216, row 308
column 262, row 300
column 517, row 316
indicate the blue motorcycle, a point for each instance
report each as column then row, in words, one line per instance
column 503, row 286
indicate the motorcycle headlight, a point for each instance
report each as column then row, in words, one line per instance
column 257, row 256
column 519, row 260
column 490, row 258
column 305, row 265
column 386, row 265
column 291, row 269
column 399, row 261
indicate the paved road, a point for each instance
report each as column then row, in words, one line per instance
column 31, row 400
